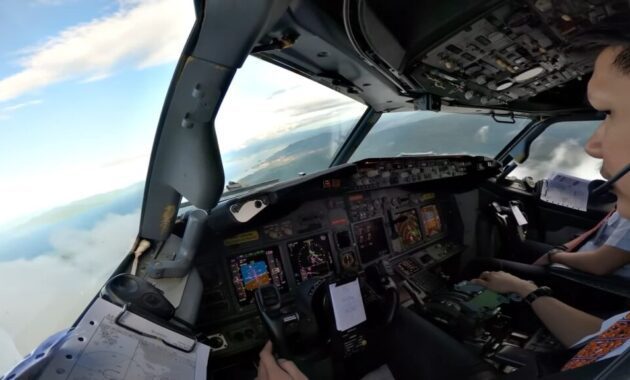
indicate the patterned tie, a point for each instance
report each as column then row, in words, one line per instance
column 612, row 338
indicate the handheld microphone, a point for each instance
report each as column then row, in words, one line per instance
column 601, row 189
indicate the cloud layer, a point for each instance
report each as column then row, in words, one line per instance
column 51, row 290
column 568, row 157
column 141, row 33
column 265, row 101
column 30, row 199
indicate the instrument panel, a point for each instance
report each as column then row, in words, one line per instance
column 310, row 257
column 400, row 212
column 253, row 269
column 333, row 235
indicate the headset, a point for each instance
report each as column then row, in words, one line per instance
column 606, row 186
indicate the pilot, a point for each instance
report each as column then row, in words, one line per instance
column 604, row 249
column 416, row 349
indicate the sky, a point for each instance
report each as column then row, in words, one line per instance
column 82, row 84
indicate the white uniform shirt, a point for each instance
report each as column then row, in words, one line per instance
column 615, row 233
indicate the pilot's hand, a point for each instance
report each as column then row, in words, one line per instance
column 542, row 261
column 281, row 369
column 502, row 282
column 546, row 258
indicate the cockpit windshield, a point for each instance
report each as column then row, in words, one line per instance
column 275, row 124
column 426, row 132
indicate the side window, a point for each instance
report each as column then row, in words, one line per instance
column 82, row 84
column 560, row 148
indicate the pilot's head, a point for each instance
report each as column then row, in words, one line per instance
column 609, row 92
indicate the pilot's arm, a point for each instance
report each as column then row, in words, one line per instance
column 603, row 260
column 566, row 323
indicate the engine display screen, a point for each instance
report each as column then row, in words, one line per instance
column 407, row 227
column 371, row 239
column 254, row 269
column 431, row 220
column 310, row 257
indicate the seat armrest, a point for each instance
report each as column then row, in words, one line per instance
column 514, row 356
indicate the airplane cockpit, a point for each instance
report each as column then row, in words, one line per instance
column 358, row 218
column 322, row 264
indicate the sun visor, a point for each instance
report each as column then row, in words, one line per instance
column 380, row 39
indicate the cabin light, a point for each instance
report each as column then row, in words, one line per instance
column 529, row 74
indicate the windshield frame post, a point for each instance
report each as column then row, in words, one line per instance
column 356, row 136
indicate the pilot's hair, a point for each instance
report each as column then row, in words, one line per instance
column 611, row 31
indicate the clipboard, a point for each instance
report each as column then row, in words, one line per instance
column 565, row 190
column 169, row 336
column 126, row 345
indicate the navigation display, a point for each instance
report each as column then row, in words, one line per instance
column 310, row 257
column 254, row 269
column 371, row 239
column 407, row 227
column 431, row 220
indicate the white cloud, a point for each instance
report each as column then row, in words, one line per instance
column 20, row 105
column 28, row 200
column 266, row 101
column 96, row 78
column 482, row 134
column 5, row 112
column 51, row 290
column 140, row 33
column 568, row 157
column 9, row 354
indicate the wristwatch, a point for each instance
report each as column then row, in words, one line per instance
column 543, row 291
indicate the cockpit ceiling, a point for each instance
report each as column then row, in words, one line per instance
column 515, row 55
